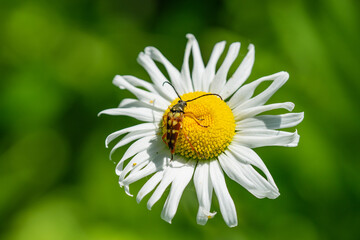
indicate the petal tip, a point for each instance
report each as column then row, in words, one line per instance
column 140, row 59
column 286, row 75
column 166, row 219
column 149, row 206
column 296, row 139
column 127, row 190
column 236, row 45
column 222, row 43
column 290, row 106
column 190, row 36
column 150, row 50
column 273, row 195
column 201, row 222
column 301, row 116
column 204, row 215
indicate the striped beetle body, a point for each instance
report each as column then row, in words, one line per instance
column 173, row 125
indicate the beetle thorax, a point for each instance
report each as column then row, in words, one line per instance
column 179, row 107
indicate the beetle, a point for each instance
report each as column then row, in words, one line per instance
column 174, row 120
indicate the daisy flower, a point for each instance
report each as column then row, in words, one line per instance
column 208, row 136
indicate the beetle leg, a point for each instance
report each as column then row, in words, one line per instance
column 192, row 115
column 163, row 138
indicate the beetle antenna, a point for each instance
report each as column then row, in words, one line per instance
column 209, row 94
column 173, row 88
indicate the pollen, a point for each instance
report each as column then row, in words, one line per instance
column 208, row 127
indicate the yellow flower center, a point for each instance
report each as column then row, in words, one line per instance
column 207, row 127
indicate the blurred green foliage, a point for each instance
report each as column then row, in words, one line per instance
column 57, row 60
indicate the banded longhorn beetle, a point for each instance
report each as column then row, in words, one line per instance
column 174, row 120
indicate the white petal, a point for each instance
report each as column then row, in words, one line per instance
column 241, row 114
column 135, row 163
column 185, row 71
column 149, row 169
column 140, row 113
column 136, row 147
column 136, row 82
column 135, row 103
column 156, row 76
column 149, row 185
column 241, row 98
column 271, row 121
column 227, row 206
column 130, row 102
column 142, row 95
column 253, row 138
column 262, row 187
column 133, row 172
column 234, row 171
column 248, row 156
column 279, row 80
column 139, row 127
column 241, row 74
column 127, row 190
column 246, row 176
column 153, row 166
column 210, row 69
column 132, row 137
column 177, row 188
column 174, row 74
column 204, row 190
column 220, row 78
column 198, row 68
column 178, row 161
column 169, row 175
column 137, row 168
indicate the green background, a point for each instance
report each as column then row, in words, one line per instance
column 57, row 61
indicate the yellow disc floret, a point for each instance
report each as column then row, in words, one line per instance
column 208, row 126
